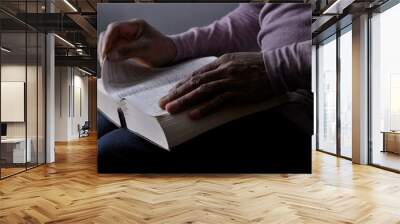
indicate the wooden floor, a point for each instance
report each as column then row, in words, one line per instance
column 71, row 191
column 386, row 159
column 5, row 172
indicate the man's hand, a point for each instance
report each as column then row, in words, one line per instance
column 232, row 78
column 138, row 40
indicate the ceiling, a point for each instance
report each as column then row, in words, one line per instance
column 73, row 20
column 19, row 18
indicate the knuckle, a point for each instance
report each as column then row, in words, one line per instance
column 173, row 92
column 140, row 22
column 229, row 68
column 207, row 86
column 201, row 88
column 181, row 101
column 194, row 81
column 198, row 71
column 230, row 64
column 204, row 87
column 227, row 57
column 182, row 82
column 179, row 84
column 224, row 57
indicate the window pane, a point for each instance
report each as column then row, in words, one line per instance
column 345, row 94
column 327, row 96
column 31, row 97
column 385, row 86
column 15, row 150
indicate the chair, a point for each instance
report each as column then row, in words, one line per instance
column 84, row 130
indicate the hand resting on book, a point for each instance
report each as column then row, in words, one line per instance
column 134, row 91
column 232, row 78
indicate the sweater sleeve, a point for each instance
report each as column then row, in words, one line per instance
column 237, row 31
column 289, row 67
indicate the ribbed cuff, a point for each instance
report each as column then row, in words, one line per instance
column 180, row 49
column 274, row 73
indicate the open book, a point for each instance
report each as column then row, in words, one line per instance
column 135, row 91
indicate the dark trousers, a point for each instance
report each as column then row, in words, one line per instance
column 265, row 142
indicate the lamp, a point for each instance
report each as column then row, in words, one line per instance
column 337, row 7
column 70, row 5
column 5, row 49
column 84, row 71
column 64, row 40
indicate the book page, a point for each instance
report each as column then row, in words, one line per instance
column 148, row 100
column 143, row 86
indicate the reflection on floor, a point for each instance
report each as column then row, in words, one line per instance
column 13, row 169
column 386, row 159
column 10, row 171
column 71, row 191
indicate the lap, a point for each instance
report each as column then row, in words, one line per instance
column 104, row 125
column 261, row 141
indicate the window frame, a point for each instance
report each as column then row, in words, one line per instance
column 27, row 29
column 333, row 37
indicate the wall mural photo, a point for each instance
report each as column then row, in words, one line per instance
column 206, row 90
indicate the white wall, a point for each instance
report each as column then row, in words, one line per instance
column 70, row 83
column 79, row 117
column 62, row 81
column 15, row 72
column 33, row 127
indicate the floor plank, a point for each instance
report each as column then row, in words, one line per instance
column 71, row 191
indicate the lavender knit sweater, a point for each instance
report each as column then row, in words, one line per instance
column 282, row 32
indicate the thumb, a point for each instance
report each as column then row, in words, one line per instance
column 115, row 32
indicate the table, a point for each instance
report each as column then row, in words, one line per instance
column 13, row 150
column 391, row 141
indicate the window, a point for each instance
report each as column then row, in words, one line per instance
column 14, row 143
column 334, row 137
column 327, row 95
column 22, row 78
column 385, row 88
column 346, row 92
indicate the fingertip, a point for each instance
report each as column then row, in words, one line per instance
column 162, row 104
column 171, row 108
column 164, row 101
